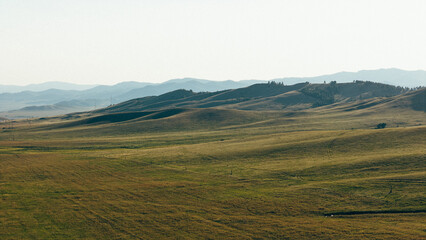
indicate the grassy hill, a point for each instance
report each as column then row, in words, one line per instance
column 146, row 169
column 153, row 114
column 267, row 96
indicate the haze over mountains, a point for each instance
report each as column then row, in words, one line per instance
column 392, row 76
column 54, row 98
column 27, row 103
column 45, row 86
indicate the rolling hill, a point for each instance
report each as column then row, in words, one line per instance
column 320, row 106
column 266, row 96
column 305, row 162
column 413, row 100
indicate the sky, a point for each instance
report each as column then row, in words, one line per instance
column 110, row 41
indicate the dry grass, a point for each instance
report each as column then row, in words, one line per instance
column 270, row 179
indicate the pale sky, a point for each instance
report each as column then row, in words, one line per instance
column 109, row 41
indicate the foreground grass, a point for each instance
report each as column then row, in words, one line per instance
column 245, row 183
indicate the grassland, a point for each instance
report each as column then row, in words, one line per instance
column 313, row 175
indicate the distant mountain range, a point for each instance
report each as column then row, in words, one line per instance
column 44, row 86
column 47, row 99
column 392, row 76
column 14, row 105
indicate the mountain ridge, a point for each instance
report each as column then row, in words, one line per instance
column 104, row 95
column 392, row 76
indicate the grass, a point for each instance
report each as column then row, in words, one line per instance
column 278, row 177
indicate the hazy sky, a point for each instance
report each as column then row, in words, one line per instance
column 109, row 41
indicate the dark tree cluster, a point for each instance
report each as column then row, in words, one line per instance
column 324, row 94
column 275, row 83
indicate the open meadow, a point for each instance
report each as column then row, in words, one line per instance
column 312, row 175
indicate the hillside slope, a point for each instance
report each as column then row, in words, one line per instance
column 413, row 100
column 267, row 96
column 289, row 111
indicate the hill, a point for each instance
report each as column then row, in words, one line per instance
column 360, row 104
column 413, row 100
column 266, row 96
column 196, row 85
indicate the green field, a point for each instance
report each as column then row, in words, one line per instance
column 319, row 174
